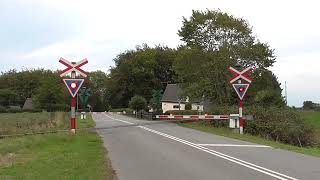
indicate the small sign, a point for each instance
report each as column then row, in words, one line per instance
column 240, row 74
column 240, row 89
column 73, row 67
column 73, row 85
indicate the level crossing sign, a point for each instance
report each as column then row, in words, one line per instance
column 73, row 85
column 73, row 67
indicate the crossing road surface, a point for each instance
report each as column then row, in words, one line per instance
column 170, row 152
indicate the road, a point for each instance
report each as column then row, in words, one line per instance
column 167, row 151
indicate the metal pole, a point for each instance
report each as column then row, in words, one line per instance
column 73, row 108
column 241, row 120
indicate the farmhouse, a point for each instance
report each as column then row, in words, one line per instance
column 173, row 99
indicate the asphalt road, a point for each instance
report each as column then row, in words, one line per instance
column 170, row 152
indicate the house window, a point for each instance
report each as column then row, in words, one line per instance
column 175, row 106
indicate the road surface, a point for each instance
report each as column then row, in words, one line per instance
column 168, row 151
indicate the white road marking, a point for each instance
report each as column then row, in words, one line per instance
column 119, row 120
column 234, row 145
column 218, row 154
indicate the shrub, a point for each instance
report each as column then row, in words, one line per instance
column 138, row 103
column 127, row 110
column 188, row 106
column 182, row 112
column 3, row 109
column 14, row 110
column 280, row 124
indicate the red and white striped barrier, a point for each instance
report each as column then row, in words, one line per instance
column 194, row 117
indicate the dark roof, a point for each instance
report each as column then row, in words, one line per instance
column 172, row 93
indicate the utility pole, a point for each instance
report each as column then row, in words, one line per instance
column 285, row 92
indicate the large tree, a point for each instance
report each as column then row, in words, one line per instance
column 213, row 41
column 138, row 72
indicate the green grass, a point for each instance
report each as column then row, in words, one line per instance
column 314, row 151
column 312, row 117
column 15, row 123
column 55, row 156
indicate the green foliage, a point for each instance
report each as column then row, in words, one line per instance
column 188, row 106
column 127, row 110
column 140, row 71
column 138, row 103
column 265, row 98
column 280, row 124
column 182, row 112
column 156, row 100
column 213, row 42
column 7, row 97
column 49, row 94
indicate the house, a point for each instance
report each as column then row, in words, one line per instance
column 173, row 100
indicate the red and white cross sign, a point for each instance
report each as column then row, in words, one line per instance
column 240, row 74
column 73, row 67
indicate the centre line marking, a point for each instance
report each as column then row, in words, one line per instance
column 234, row 145
column 218, row 154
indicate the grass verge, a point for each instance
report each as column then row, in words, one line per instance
column 313, row 151
column 55, row 156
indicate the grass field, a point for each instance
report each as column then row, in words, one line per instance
column 15, row 123
column 54, row 156
column 312, row 117
column 314, row 151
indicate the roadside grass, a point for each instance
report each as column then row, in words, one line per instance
column 313, row 151
column 15, row 123
column 55, row 156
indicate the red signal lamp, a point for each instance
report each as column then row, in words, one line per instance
column 73, row 85
column 241, row 89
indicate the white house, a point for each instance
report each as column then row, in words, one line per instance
column 172, row 99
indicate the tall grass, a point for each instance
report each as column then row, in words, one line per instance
column 15, row 123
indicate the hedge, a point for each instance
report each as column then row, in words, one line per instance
column 279, row 124
column 182, row 112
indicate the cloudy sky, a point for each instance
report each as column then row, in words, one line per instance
column 36, row 33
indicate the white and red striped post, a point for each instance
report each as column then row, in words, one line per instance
column 73, row 108
column 241, row 120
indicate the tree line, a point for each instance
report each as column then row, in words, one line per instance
column 212, row 41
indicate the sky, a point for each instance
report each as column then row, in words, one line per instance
column 36, row 33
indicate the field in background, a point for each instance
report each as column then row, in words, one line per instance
column 51, row 156
column 312, row 117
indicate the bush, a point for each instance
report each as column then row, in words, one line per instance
column 182, row 112
column 138, row 103
column 32, row 110
column 14, row 110
column 3, row 109
column 127, row 110
column 188, row 106
column 56, row 107
column 280, row 124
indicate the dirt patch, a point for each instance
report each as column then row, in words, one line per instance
column 7, row 160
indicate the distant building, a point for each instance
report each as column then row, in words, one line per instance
column 172, row 99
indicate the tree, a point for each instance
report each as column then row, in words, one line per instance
column 138, row 103
column 138, row 72
column 213, row 41
column 308, row 105
column 49, row 95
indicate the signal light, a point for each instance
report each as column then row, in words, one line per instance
column 73, row 85
column 241, row 89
